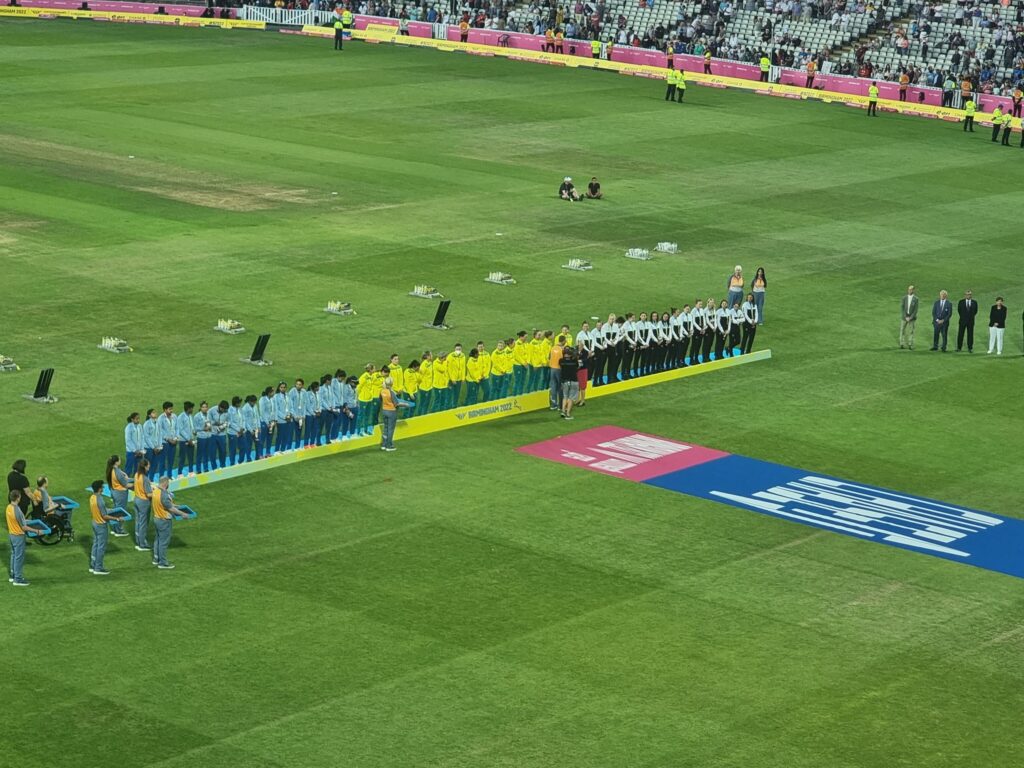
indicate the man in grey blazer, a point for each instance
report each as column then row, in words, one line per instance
column 942, row 310
column 908, row 318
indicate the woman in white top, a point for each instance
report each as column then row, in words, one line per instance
column 759, row 285
column 723, row 324
column 750, row 323
column 664, row 342
column 709, row 328
column 737, row 325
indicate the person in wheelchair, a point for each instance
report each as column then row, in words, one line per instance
column 55, row 515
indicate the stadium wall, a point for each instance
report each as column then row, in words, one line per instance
column 118, row 7
column 624, row 59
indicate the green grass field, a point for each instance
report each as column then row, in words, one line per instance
column 457, row 603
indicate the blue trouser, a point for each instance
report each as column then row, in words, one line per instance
column 141, row 522
column 284, row 435
column 312, row 430
column 733, row 297
column 99, row 546
column 168, row 454
column 218, row 451
column 265, row 443
column 472, row 388
column 759, row 303
column 186, row 457
column 555, row 388
column 162, row 539
column 233, row 448
column 349, row 427
column 245, row 447
column 154, row 465
column 17, row 556
column 204, row 452
column 120, row 500
column 129, row 463
column 388, row 421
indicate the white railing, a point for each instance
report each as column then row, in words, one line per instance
column 285, row 17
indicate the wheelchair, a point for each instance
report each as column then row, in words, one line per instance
column 60, row 529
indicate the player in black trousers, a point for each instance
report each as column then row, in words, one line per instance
column 966, row 309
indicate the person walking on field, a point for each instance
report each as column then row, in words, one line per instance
column 569, row 367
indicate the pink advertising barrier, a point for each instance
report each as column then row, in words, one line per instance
column 172, row 10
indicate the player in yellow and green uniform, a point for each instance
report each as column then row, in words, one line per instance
column 456, row 375
column 365, row 397
column 486, row 381
column 473, row 374
column 426, row 400
column 411, row 380
column 520, row 363
column 502, row 364
column 442, row 396
column 538, row 362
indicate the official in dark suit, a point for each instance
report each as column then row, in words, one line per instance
column 942, row 311
column 966, row 309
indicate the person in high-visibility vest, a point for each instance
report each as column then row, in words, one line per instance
column 463, row 31
column 1007, row 128
column 904, row 82
column 873, row 99
column 347, row 18
column 766, row 64
column 1018, row 94
column 997, row 122
column 595, row 49
column 670, row 85
column 549, row 40
column 969, row 110
column 812, row 66
column 339, row 34
column 707, row 61
column 680, row 85
column 559, row 41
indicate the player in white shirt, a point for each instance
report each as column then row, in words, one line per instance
column 723, row 324
column 750, row 320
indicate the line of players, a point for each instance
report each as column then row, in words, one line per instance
column 338, row 406
column 624, row 347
